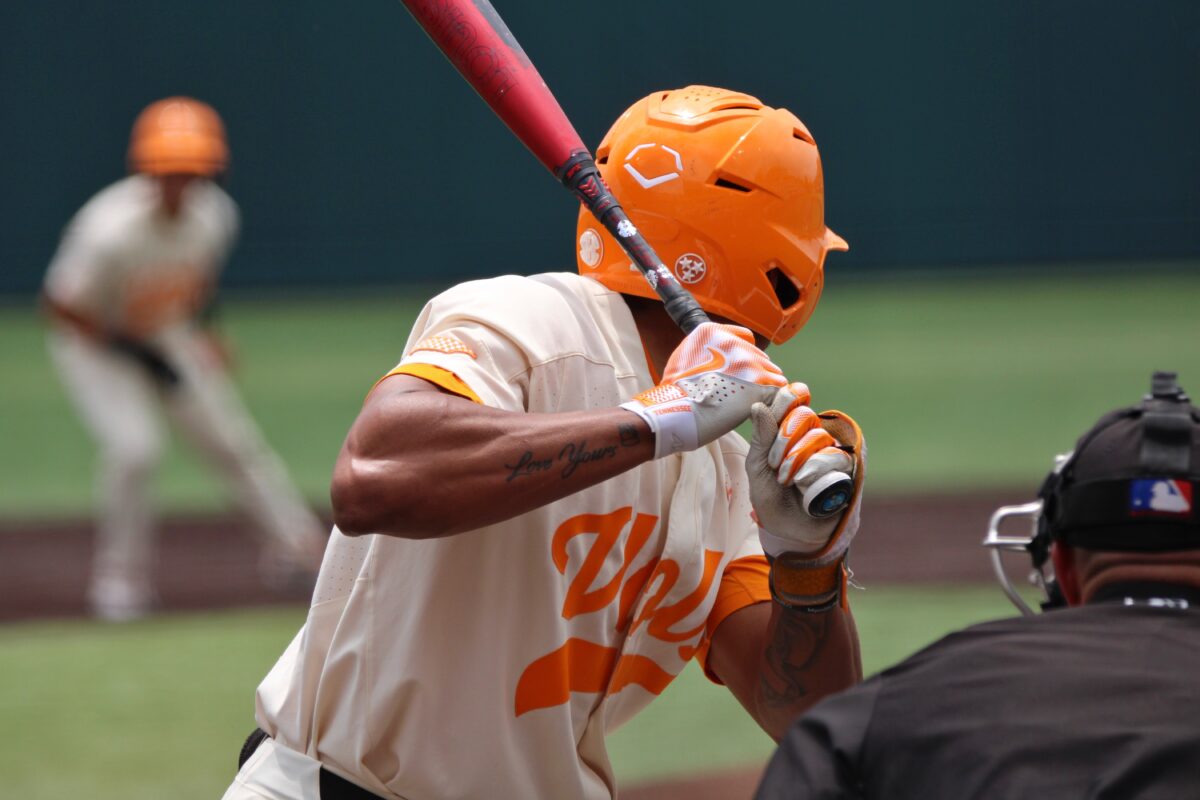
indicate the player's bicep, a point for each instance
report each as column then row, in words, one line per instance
column 408, row 430
column 398, row 412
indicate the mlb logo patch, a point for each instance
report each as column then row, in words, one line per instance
column 1160, row 496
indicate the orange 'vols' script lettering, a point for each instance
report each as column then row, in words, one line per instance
column 583, row 666
column 581, row 598
column 640, row 670
column 577, row 666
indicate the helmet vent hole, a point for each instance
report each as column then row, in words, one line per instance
column 602, row 159
column 786, row 291
column 802, row 136
column 737, row 187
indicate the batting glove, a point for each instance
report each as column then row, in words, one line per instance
column 710, row 383
column 794, row 454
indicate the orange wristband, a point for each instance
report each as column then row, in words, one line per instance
column 796, row 584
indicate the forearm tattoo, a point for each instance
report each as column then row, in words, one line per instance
column 571, row 456
column 798, row 640
column 568, row 460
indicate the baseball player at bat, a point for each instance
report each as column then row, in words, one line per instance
column 126, row 294
column 543, row 511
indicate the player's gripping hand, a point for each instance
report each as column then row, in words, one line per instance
column 708, row 387
column 793, row 458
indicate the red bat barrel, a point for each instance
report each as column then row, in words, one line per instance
column 480, row 46
column 478, row 43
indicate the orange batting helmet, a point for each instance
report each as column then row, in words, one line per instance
column 729, row 192
column 178, row 135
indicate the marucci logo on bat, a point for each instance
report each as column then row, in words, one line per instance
column 589, row 187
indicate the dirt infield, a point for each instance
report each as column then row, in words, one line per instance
column 211, row 562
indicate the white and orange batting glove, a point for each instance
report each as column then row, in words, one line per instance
column 711, row 381
column 794, row 454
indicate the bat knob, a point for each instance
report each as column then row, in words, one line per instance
column 829, row 495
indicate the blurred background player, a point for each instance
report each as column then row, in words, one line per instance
column 544, row 512
column 1096, row 698
column 127, row 293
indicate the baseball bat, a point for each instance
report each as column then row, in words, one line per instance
column 471, row 34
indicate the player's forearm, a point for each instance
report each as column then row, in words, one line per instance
column 778, row 661
column 808, row 656
column 423, row 464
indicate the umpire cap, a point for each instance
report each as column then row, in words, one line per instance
column 1130, row 484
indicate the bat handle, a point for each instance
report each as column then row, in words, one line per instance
column 580, row 174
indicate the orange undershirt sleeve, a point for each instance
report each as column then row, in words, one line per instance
column 744, row 583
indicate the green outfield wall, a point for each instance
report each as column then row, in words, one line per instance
column 953, row 132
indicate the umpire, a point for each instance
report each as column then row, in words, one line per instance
column 1097, row 699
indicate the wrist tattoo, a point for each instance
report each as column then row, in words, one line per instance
column 629, row 435
column 798, row 639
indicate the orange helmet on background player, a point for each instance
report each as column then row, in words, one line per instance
column 729, row 193
column 178, row 135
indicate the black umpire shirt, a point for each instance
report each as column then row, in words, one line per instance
column 1097, row 701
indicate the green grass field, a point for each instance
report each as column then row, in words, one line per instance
column 158, row 709
column 958, row 384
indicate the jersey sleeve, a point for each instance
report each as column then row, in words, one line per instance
column 481, row 339
column 743, row 583
column 79, row 274
column 228, row 225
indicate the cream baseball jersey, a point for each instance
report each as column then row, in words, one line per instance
column 491, row 664
column 126, row 264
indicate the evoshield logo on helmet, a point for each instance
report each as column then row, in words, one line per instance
column 591, row 248
column 690, row 268
column 650, row 163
